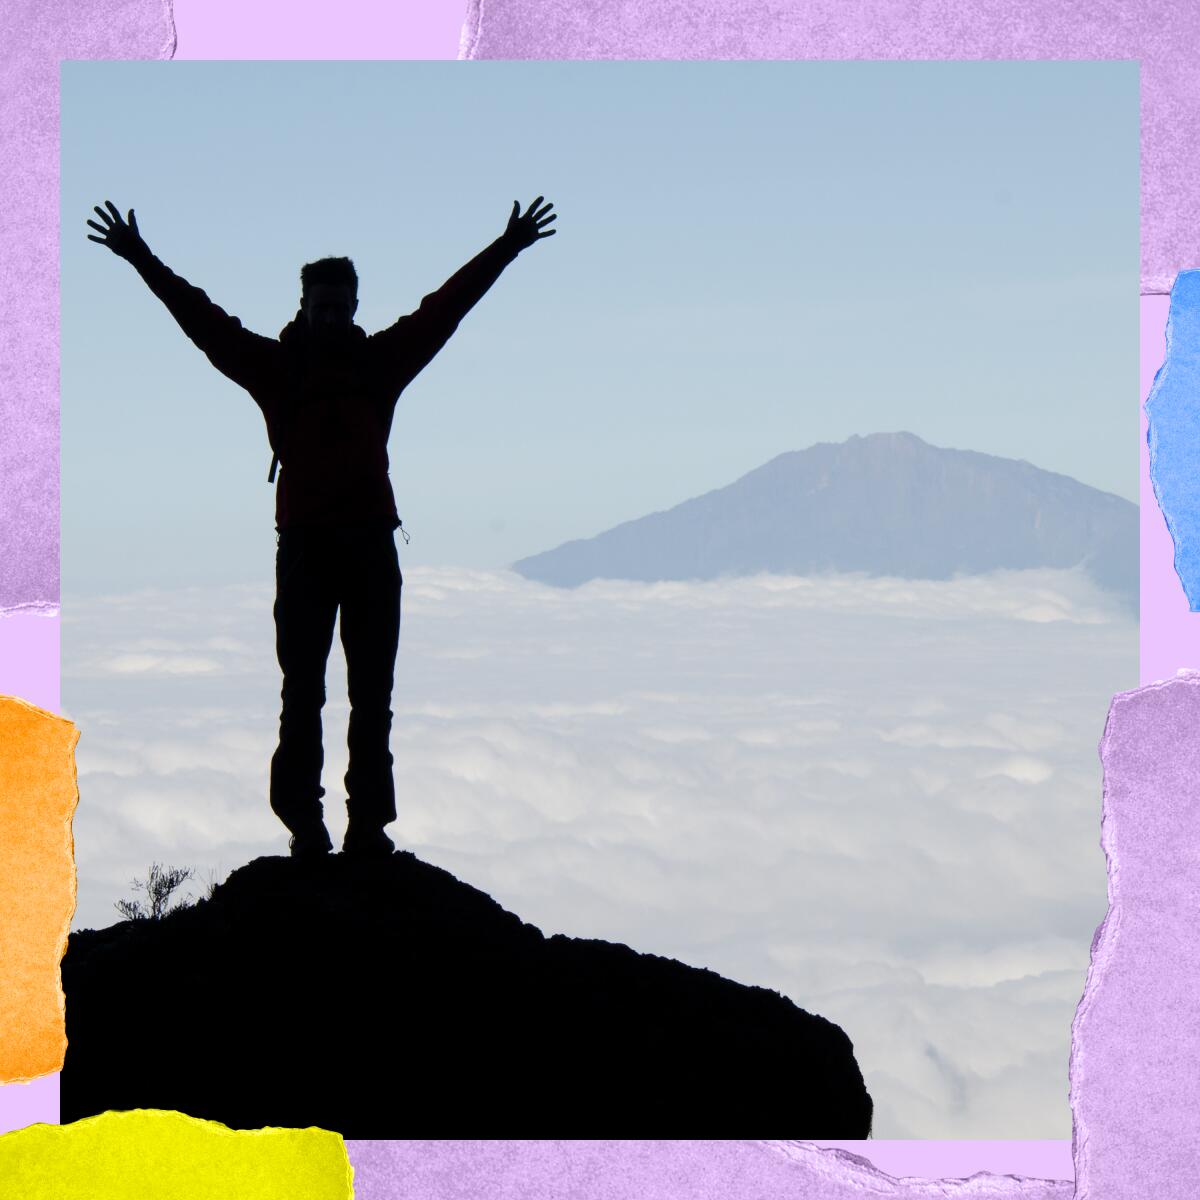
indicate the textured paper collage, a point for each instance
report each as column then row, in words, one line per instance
column 129, row 1155
column 1133, row 1045
column 37, row 781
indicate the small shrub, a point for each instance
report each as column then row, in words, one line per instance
column 159, row 886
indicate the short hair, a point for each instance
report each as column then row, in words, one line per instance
column 337, row 271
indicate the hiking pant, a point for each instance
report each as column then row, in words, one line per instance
column 318, row 572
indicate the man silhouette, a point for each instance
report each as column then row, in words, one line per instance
column 327, row 391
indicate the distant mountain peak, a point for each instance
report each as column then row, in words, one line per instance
column 880, row 503
column 899, row 436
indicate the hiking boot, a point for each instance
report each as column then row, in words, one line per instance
column 367, row 841
column 310, row 841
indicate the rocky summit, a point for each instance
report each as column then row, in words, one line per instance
column 387, row 999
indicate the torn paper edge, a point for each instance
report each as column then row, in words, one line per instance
column 1158, row 386
column 69, row 780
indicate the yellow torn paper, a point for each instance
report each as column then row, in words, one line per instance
column 152, row 1155
column 37, row 885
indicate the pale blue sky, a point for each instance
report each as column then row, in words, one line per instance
column 753, row 257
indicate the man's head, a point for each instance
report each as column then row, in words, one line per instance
column 329, row 296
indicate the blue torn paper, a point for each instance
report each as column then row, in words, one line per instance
column 1173, row 412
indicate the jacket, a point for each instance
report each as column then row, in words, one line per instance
column 328, row 412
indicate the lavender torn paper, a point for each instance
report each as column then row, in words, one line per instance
column 37, row 37
column 661, row 1170
column 1160, row 34
column 1135, row 1044
column 1173, row 416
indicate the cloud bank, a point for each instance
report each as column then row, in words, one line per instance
column 880, row 797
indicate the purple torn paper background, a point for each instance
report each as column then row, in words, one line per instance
column 1173, row 432
column 36, row 35
column 667, row 1170
column 1135, row 1042
column 1163, row 34
column 141, row 28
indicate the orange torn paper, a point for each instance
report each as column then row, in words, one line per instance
column 37, row 885
column 169, row 1156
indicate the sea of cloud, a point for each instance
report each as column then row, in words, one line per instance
column 880, row 797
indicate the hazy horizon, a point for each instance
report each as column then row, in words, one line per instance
column 828, row 248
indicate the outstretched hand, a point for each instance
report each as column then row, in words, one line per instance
column 120, row 237
column 526, row 229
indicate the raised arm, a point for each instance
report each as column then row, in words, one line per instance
column 414, row 339
column 245, row 357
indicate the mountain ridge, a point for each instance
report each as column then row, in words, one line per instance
column 883, row 504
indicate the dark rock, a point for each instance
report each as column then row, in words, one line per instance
column 388, row 1000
